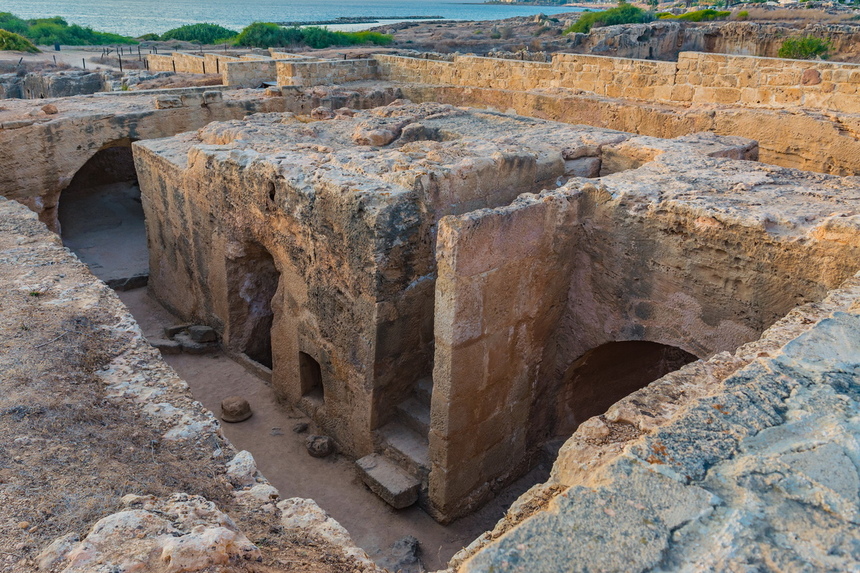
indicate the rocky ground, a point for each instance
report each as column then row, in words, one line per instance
column 107, row 463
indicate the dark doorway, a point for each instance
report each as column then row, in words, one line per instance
column 310, row 375
column 256, row 284
column 101, row 217
column 606, row 374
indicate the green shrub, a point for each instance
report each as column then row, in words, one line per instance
column 699, row 16
column 57, row 30
column 12, row 23
column 149, row 37
column 806, row 48
column 268, row 35
column 10, row 41
column 622, row 14
column 200, row 33
column 742, row 15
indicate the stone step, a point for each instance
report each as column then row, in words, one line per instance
column 424, row 390
column 387, row 480
column 414, row 415
column 407, row 447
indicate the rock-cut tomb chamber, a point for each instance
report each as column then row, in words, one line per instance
column 451, row 293
column 447, row 290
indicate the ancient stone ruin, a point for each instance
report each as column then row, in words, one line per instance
column 628, row 270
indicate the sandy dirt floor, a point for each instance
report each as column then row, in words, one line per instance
column 105, row 228
column 331, row 482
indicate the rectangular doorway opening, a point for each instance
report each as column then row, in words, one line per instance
column 310, row 376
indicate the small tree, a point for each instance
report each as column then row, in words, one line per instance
column 806, row 48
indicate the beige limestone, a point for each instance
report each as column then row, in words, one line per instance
column 40, row 153
column 102, row 352
column 682, row 242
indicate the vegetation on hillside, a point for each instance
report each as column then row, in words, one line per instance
column 697, row 16
column 46, row 31
column 201, row 33
column 806, row 48
column 268, row 35
column 624, row 13
column 10, row 41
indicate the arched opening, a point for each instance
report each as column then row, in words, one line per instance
column 254, row 281
column 605, row 374
column 101, row 218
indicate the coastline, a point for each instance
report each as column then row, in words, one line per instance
column 347, row 20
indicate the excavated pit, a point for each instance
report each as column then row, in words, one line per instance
column 328, row 280
column 413, row 244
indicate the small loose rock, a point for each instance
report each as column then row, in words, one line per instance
column 320, row 446
column 235, row 409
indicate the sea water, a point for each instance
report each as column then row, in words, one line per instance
column 138, row 17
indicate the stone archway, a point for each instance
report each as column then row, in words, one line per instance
column 102, row 220
column 605, row 374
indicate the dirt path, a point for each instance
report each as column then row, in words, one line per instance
column 331, row 482
column 71, row 55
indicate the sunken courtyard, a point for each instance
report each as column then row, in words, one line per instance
column 634, row 312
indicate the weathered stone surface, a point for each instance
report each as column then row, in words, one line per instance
column 201, row 333
column 171, row 331
column 181, row 533
column 306, row 515
column 260, row 493
column 388, row 481
column 300, row 427
column 166, row 346
column 402, row 556
column 191, row 346
column 168, row 102
column 748, row 447
column 128, row 403
column 319, row 446
column 242, row 469
column 235, row 409
column 36, row 165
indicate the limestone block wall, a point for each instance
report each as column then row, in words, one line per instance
column 160, row 62
column 496, row 307
column 248, row 73
column 295, row 73
column 190, row 63
column 276, row 55
column 614, row 77
column 696, row 78
column 767, row 82
column 182, row 62
column 215, row 62
column 804, row 139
